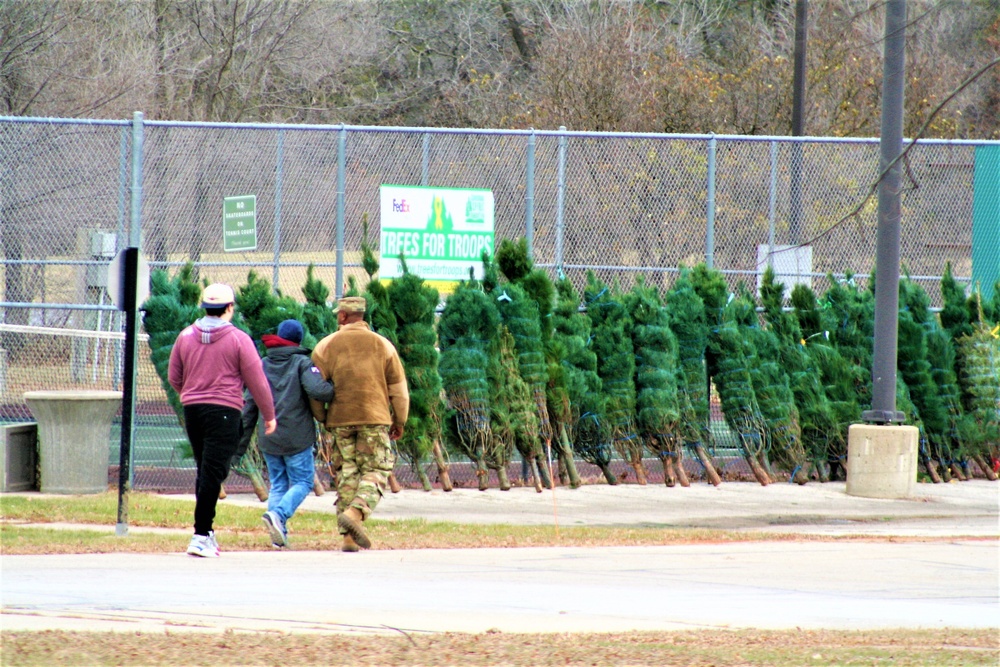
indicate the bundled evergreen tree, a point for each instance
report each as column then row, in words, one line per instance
column 772, row 389
column 657, row 411
column 979, row 352
column 414, row 303
column 818, row 425
column 731, row 355
column 839, row 379
column 318, row 317
column 468, row 325
column 173, row 304
column 848, row 317
column 516, row 265
column 379, row 314
column 616, row 366
column 513, row 422
column 916, row 371
column 519, row 313
column 687, row 321
column 578, row 396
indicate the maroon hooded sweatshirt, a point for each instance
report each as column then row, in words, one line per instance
column 212, row 360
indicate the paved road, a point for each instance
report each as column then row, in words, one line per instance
column 950, row 577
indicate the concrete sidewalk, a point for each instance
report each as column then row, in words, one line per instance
column 950, row 577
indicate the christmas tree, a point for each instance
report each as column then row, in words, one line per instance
column 173, row 304
column 818, row 425
column 318, row 317
column 916, row 370
column 513, row 421
column 519, row 313
column 687, row 321
column 730, row 370
column 378, row 314
column 414, row 303
column 616, row 367
column 468, row 325
column 515, row 263
column 837, row 376
column 657, row 411
column 578, row 397
column 772, row 389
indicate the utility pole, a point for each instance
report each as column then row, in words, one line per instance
column 882, row 452
column 798, row 101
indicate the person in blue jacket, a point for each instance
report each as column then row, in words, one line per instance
column 288, row 451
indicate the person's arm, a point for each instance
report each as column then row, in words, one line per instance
column 314, row 384
column 399, row 397
column 252, row 372
column 175, row 368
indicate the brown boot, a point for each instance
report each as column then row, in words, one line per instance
column 350, row 545
column 350, row 521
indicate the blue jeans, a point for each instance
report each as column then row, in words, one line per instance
column 291, row 481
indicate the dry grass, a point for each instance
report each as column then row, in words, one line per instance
column 792, row 648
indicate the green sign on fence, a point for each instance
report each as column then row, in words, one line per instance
column 441, row 232
column 239, row 223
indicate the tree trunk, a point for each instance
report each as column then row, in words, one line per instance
column 425, row 482
column 503, row 478
column 566, row 458
column 800, row 476
column 987, row 470
column 931, row 466
column 318, row 485
column 543, row 470
column 758, row 472
column 669, row 477
column 536, row 473
column 711, row 474
column 956, row 471
column 394, row 483
column 608, row 475
column 640, row 471
column 482, row 474
column 682, row 475
column 442, row 466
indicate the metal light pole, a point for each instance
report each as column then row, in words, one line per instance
column 887, row 250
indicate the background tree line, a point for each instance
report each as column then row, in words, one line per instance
column 695, row 66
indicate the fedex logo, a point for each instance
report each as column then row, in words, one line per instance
column 400, row 206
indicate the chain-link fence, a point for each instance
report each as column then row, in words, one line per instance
column 73, row 193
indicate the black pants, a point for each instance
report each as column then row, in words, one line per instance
column 214, row 432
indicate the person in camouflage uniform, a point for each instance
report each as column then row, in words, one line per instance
column 368, row 411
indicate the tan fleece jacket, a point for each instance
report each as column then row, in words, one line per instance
column 367, row 378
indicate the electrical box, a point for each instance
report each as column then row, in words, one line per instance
column 18, row 457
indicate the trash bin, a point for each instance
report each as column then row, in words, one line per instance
column 74, row 429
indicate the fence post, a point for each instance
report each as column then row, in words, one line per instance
column 773, row 195
column 135, row 220
column 341, row 168
column 529, row 195
column 425, row 164
column 710, row 213
column 560, row 198
column 278, row 181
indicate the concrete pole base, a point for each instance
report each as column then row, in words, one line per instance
column 882, row 460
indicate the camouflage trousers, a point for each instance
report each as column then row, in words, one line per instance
column 367, row 460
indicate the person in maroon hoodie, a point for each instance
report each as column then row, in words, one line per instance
column 210, row 363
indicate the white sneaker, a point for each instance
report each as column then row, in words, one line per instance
column 204, row 546
column 275, row 526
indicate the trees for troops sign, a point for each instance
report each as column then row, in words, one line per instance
column 442, row 232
